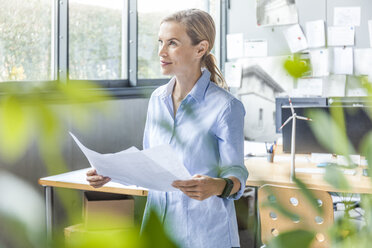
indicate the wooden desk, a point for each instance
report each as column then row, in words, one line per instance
column 77, row 180
column 260, row 172
column 278, row 173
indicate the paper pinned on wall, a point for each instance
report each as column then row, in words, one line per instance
column 276, row 12
column 319, row 62
column 356, row 92
column 334, row 85
column 346, row 16
column 310, row 86
column 296, row 39
column 233, row 74
column 234, row 45
column 255, row 48
column 343, row 60
column 354, row 87
column 315, row 34
column 370, row 32
column 341, row 36
column 363, row 61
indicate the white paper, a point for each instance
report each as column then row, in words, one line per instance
column 315, row 34
column 284, row 158
column 370, row 32
column 310, row 86
column 233, row 74
column 346, row 16
column 363, row 61
column 154, row 168
column 318, row 158
column 254, row 149
column 235, row 47
column 342, row 160
column 255, row 48
column 334, row 85
column 354, row 87
column 276, row 12
column 356, row 92
column 319, row 62
column 322, row 171
column 341, row 36
column 295, row 38
column 343, row 60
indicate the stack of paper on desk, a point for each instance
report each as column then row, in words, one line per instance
column 155, row 168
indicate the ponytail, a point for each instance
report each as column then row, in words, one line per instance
column 209, row 61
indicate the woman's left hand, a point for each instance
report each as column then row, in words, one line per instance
column 200, row 187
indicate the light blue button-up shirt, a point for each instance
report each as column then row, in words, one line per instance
column 207, row 135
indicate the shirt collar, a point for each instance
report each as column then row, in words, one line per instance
column 197, row 92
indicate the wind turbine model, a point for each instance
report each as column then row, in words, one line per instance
column 293, row 142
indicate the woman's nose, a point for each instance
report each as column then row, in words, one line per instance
column 162, row 51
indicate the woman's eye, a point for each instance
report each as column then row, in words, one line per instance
column 172, row 43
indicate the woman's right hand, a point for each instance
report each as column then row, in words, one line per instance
column 96, row 180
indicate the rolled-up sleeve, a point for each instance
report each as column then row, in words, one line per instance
column 230, row 134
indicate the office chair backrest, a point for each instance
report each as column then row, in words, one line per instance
column 305, row 216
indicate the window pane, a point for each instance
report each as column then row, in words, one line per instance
column 150, row 14
column 97, row 42
column 26, row 40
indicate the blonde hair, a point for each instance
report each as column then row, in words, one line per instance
column 200, row 26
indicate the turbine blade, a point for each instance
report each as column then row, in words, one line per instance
column 303, row 118
column 290, row 104
column 285, row 123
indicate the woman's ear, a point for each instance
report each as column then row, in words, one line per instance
column 202, row 48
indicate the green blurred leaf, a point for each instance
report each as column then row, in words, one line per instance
column 16, row 226
column 79, row 237
column 308, row 195
column 343, row 229
column 82, row 92
column 329, row 133
column 14, row 128
column 366, row 204
column 292, row 239
column 296, row 67
column 366, row 148
column 153, row 234
column 336, row 178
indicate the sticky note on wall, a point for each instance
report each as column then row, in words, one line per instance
column 319, row 62
column 315, row 34
column 341, row 36
column 255, row 48
column 346, row 16
column 234, row 45
column 343, row 60
column 296, row 39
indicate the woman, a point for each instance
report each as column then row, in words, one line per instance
column 204, row 125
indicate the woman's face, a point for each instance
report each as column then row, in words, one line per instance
column 177, row 55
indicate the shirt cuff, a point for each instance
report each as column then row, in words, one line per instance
column 241, row 174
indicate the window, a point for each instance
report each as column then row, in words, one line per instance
column 97, row 39
column 150, row 14
column 78, row 40
column 26, row 38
